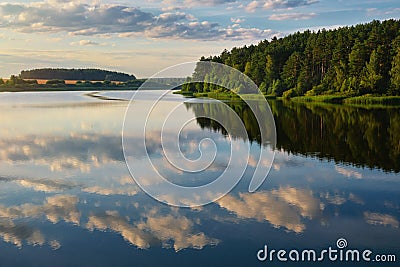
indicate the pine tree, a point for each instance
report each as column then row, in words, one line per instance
column 263, row 88
column 269, row 71
column 247, row 69
column 395, row 74
column 357, row 58
column 277, row 88
column 291, row 70
column 371, row 77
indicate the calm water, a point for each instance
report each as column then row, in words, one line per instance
column 67, row 198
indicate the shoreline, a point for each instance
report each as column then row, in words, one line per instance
column 361, row 101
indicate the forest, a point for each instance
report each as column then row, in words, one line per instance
column 348, row 61
column 76, row 74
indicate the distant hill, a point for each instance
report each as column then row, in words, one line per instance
column 76, row 74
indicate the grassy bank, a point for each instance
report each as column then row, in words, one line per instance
column 358, row 100
column 223, row 95
column 367, row 100
column 333, row 99
column 373, row 100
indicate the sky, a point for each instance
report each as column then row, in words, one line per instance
column 144, row 37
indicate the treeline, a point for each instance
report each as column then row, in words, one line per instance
column 16, row 83
column 350, row 61
column 76, row 74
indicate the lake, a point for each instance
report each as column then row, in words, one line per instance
column 68, row 199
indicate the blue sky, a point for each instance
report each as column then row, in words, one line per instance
column 144, row 37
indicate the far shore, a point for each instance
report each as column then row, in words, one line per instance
column 65, row 89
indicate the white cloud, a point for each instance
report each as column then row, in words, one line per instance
column 335, row 199
column 284, row 207
column 272, row 4
column 392, row 11
column 196, row 3
column 82, row 19
column 60, row 154
column 292, row 16
column 47, row 186
column 381, row 219
column 128, row 191
column 237, row 20
column 348, row 172
column 85, row 43
column 114, row 222
column 208, row 2
column 356, row 199
column 55, row 209
column 17, row 234
column 373, row 12
column 170, row 230
column 170, row 8
column 277, row 4
column 252, row 6
column 54, row 244
column 178, row 229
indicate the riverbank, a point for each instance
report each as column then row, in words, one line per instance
column 222, row 95
column 357, row 100
column 366, row 100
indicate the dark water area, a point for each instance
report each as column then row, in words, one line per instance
column 364, row 137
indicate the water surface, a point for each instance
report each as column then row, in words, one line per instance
column 67, row 197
